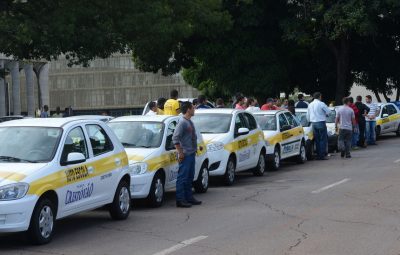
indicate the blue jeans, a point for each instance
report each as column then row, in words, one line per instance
column 355, row 136
column 185, row 178
column 321, row 138
column 370, row 135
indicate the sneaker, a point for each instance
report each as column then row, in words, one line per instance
column 183, row 204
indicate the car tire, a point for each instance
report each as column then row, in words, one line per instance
column 121, row 205
column 398, row 131
column 42, row 222
column 229, row 176
column 302, row 157
column 276, row 162
column 260, row 168
column 157, row 191
column 201, row 184
column 310, row 150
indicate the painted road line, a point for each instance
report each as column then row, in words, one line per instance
column 181, row 245
column 330, row 186
column 397, row 161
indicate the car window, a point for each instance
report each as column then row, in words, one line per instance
column 291, row 119
column 250, row 121
column 239, row 123
column 282, row 121
column 212, row 123
column 331, row 117
column 99, row 139
column 391, row 109
column 170, row 132
column 74, row 142
column 266, row 122
column 384, row 111
column 302, row 117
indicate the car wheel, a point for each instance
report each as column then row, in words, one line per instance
column 260, row 168
column 201, row 184
column 229, row 176
column 121, row 205
column 276, row 162
column 398, row 131
column 156, row 196
column 310, row 150
column 302, row 157
column 41, row 227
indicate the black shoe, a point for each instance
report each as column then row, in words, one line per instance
column 348, row 156
column 194, row 201
column 342, row 154
column 323, row 158
column 183, row 204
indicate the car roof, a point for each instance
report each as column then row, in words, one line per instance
column 218, row 111
column 269, row 112
column 90, row 117
column 301, row 110
column 39, row 122
column 152, row 118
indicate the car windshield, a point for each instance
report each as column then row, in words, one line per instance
column 212, row 123
column 302, row 117
column 28, row 144
column 137, row 134
column 266, row 122
column 331, row 117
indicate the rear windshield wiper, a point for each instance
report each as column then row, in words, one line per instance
column 9, row 158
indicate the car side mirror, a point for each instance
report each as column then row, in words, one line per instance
column 243, row 131
column 285, row 128
column 385, row 115
column 74, row 158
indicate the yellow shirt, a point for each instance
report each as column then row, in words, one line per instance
column 171, row 107
column 160, row 112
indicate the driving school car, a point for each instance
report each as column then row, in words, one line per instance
column 52, row 168
column 234, row 142
column 153, row 157
column 301, row 114
column 284, row 136
column 388, row 120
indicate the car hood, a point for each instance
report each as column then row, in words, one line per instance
column 140, row 154
column 209, row 138
column 16, row 172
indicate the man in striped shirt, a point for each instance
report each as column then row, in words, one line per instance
column 370, row 119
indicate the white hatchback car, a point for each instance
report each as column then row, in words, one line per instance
column 388, row 120
column 234, row 142
column 52, row 168
column 153, row 157
column 284, row 136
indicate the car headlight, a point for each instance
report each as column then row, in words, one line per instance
column 216, row 146
column 138, row 168
column 13, row 191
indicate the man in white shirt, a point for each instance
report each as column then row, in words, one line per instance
column 317, row 112
column 374, row 111
column 153, row 109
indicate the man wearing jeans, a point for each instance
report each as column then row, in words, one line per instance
column 345, row 119
column 317, row 113
column 371, row 120
column 185, row 141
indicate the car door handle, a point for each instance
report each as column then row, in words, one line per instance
column 117, row 161
column 90, row 169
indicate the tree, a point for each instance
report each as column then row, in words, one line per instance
column 333, row 24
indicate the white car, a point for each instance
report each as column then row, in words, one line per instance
column 234, row 142
column 301, row 114
column 284, row 136
column 103, row 118
column 153, row 157
column 388, row 120
column 55, row 167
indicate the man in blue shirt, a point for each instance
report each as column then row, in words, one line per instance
column 301, row 103
column 202, row 102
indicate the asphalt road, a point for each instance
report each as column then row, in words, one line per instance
column 339, row 206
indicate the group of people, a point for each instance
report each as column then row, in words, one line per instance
column 45, row 112
column 355, row 124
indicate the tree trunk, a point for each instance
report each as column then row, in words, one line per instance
column 378, row 97
column 398, row 94
column 386, row 97
column 341, row 50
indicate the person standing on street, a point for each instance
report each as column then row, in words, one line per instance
column 317, row 113
column 153, row 109
column 291, row 108
column 160, row 105
column 172, row 107
column 240, row 102
column 45, row 113
column 301, row 103
column 220, row 103
column 185, row 141
column 251, row 105
column 58, row 113
column 371, row 120
column 345, row 121
column 269, row 105
column 202, row 102
column 356, row 130
column 362, row 112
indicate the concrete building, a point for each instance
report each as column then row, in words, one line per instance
column 111, row 84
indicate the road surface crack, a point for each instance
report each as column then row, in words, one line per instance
column 299, row 240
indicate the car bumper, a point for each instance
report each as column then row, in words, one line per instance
column 15, row 215
column 218, row 162
column 270, row 153
column 140, row 185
